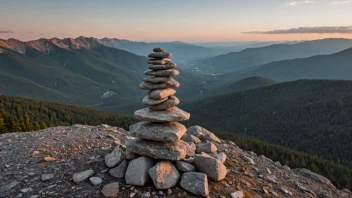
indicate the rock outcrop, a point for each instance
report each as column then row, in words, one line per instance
column 78, row 148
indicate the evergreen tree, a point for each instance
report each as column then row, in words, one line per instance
column 44, row 125
column 27, row 122
column 14, row 126
column 36, row 126
column 2, row 126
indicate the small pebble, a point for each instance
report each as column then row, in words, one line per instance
column 95, row 181
column 25, row 190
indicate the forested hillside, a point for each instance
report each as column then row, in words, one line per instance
column 20, row 114
column 223, row 87
column 312, row 116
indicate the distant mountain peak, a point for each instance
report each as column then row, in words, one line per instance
column 47, row 45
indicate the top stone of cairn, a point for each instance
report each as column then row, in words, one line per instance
column 158, row 49
column 160, row 55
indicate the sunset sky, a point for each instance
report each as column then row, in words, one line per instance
column 182, row 20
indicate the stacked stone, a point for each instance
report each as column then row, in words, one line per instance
column 164, row 145
column 159, row 133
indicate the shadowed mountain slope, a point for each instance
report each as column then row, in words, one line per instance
column 308, row 115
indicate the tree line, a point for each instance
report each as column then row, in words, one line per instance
column 22, row 115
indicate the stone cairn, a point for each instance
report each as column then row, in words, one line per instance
column 161, row 147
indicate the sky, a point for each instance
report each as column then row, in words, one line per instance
column 177, row 20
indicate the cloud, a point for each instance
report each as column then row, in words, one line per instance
column 296, row 3
column 340, row 1
column 308, row 30
column 6, row 32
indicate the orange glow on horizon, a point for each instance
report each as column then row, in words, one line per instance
column 183, row 36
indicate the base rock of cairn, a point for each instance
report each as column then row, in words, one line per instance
column 164, row 156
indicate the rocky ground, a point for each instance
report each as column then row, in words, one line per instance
column 42, row 163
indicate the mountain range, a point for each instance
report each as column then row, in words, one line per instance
column 258, row 56
column 77, row 71
column 334, row 66
column 182, row 52
column 93, row 72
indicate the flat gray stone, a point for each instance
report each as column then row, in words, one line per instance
column 206, row 148
column 120, row 170
column 196, row 183
column 25, row 190
column 9, row 186
column 115, row 157
column 185, row 167
column 164, row 175
column 150, row 86
column 160, row 55
column 212, row 167
column 47, row 177
column 202, row 133
column 159, row 61
column 95, row 180
column 164, row 132
column 152, row 79
column 163, row 67
column 168, row 72
column 111, row 190
column 137, row 171
column 173, row 114
column 148, row 101
column 78, row 177
column 190, row 138
column 159, row 94
column 158, row 150
column 171, row 102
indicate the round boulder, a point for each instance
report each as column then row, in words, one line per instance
column 212, row 167
column 115, row 157
column 196, row 183
column 206, row 148
column 164, row 175
column 137, row 171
